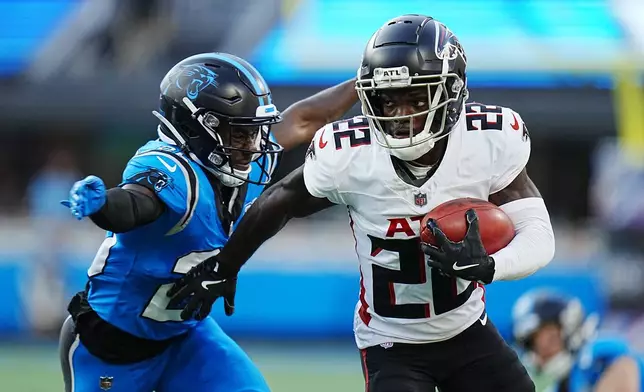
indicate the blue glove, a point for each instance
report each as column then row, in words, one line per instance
column 86, row 197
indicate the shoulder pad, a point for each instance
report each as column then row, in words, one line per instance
column 331, row 152
column 351, row 133
column 170, row 175
column 508, row 136
column 602, row 349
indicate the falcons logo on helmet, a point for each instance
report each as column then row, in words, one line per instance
column 447, row 45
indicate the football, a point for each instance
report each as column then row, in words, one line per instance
column 496, row 228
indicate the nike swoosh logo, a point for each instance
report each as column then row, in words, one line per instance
column 456, row 267
column 171, row 168
column 322, row 143
column 207, row 283
column 515, row 125
column 484, row 319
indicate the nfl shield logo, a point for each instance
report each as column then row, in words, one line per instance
column 105, row 383
column 420, row 199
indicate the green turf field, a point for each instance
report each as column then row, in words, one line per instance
column 288, row 368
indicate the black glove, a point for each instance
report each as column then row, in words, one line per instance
column 466, row 259
column 204, row 283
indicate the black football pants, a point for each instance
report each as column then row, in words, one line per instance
column 478, row 359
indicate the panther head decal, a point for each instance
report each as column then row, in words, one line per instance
column 194, row 78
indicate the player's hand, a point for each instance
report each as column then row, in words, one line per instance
column 466, row 259
column 203, row 285
column 86, row 197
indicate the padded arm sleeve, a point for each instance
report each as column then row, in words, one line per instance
column 533, row 246
column 173, row 180
column 127, row 209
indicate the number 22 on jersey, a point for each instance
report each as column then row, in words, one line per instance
column 413, row 270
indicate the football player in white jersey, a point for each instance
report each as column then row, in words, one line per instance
column 420, row 319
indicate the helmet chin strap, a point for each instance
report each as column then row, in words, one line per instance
column 171, row 128
column 228, row 180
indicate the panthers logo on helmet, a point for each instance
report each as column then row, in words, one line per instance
column 193, row 79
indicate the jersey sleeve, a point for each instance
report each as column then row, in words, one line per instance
column 514, row 151
column 320, row 167
column 597, row 356
column 173, row 180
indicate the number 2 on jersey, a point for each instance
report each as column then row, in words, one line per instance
column 412, row 271
column 160, row 307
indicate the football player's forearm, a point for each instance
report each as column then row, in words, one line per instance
column 302, row 119
column 329, row 105
column 127, row 209
column 533, row 246
column 267, row 216
column 288, row 198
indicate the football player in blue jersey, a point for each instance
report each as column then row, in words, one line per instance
column 562, row 352
column 219, row 139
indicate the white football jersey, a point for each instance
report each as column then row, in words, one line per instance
column 401, row 298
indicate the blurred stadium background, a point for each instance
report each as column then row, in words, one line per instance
column 79, row 78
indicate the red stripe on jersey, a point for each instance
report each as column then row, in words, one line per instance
column 365, row 370
column 423, row 276
column 422, row 266
column 362, row 312
column 481, row 285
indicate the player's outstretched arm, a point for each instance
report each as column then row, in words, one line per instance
column 127, row 208
column 533, row 246
column 118, row 209
column 216, row 276
column 301, row 120
column 289, row 198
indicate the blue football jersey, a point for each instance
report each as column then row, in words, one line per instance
column 132, row 271
column 595, row 358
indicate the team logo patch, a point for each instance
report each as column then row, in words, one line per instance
column 526, row 135
column 105, row 383
column 151, row 179
column 420, row 199
column 166, row 148
column 310, row 152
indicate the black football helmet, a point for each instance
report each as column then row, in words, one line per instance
column 218, row 109
column 540, row 307
column 413, row 51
